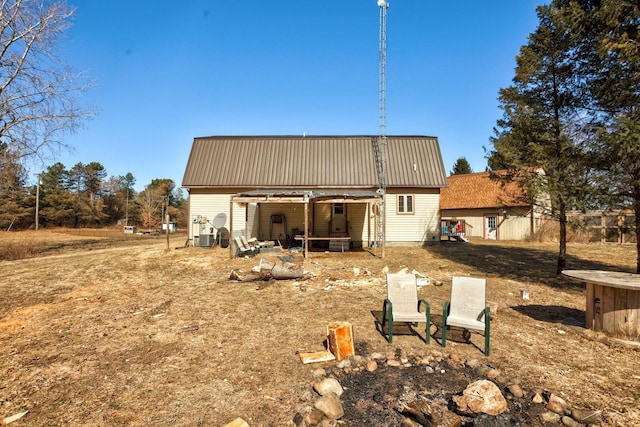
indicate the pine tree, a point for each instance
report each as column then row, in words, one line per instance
column 461, row 166
column 16, row 201
column 616, row 89
column 545, row 126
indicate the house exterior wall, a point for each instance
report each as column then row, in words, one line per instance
column 294, row 216
column 517, row 226
column 419, row 228
column 320, row 217
column 357, row 217
column 209, row 203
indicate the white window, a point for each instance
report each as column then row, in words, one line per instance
column 405, row 204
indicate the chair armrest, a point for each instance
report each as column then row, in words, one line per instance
column 387, row 308
column 445, row 310
column 387, row 304
column 425, row 303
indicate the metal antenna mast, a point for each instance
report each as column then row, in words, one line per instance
column 382, row 48
column 380, row 143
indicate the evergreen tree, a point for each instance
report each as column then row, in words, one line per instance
column 57, row 203
column 86, row 183
column 16, row 201
column 461, row 166
column 545, row 125
column 616, row 89
column 126, row 183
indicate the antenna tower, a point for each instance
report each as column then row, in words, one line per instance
column 380, row 143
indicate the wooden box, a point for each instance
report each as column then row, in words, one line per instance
column 340, row 340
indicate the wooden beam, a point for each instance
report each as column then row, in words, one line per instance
column 369, row 225
column 231, row 228
column 306, row 230
column 292, row 199
column 347, row 200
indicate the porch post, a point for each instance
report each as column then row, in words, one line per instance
column 231, row 228
column 384, row 222
column 306, row 228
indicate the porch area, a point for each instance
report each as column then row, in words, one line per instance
column 308, row 220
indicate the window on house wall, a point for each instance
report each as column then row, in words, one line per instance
column 405, row 204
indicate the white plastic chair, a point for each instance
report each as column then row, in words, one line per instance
column 402, row 304
column 243, row 248
column 467, row 308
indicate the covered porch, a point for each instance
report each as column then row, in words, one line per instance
column 343, row 219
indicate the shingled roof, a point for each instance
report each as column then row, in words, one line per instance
column 478, row 190
column 312, row 162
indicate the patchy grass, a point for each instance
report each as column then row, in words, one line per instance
column 112, row 330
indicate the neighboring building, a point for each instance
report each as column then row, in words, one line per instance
column 477, row 206
column 276, row 187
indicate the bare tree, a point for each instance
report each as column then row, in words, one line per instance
column 38, row 91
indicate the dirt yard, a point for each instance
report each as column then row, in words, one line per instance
column 106, row 330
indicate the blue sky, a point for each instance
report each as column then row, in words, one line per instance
column 168, row 71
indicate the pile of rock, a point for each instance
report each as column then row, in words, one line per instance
column 488, row 399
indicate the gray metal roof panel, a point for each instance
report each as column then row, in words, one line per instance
column 414, row 162
column 311, row 161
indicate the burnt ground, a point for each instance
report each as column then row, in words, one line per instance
column 378, row 398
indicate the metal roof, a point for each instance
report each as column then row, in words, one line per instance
column 312, row 162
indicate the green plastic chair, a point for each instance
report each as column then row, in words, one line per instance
column 402, row 304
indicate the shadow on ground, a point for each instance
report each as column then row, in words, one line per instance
column 516, row 262
column 551, row 313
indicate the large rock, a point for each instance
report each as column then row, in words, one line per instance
column 481, row 397
column 328, row 385
column 330, row 406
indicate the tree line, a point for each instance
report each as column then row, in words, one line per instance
column 83, row 196
column 571, row 125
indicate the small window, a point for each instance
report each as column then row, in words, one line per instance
column 405, row 204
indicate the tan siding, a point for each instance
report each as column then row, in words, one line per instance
column 207, row 205
column 473, row 217
column 357, row 217
column 421, row 227
column 516, row 227
column 321, row 218
column 294, row 214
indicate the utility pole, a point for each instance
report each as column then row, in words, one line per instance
column 37, row 200
column 167, row 217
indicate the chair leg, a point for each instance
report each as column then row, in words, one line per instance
column 487, row 330
column 445, row 314
column 427, row 328
column 387, row 317
column 427, row 315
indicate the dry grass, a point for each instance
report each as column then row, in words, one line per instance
column 102, row 331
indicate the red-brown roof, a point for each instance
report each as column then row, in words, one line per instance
column 478, row 190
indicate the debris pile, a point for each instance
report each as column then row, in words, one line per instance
column 267, row 270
